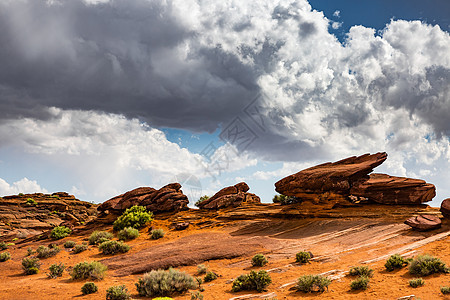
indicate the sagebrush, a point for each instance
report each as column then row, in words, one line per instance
column 360, row 283
column 312, row 283
column 45, row 252
column 56, row 270
column 98, row 237
column 416, row 282
column 89, row 288
column 4, row 256
column 395, row 262
column 361, row 271
column 88, row 270
column 259, row 260
column 113, row 247
column 424, row 265
column 303, row 257
column 254, row 281
column 157, row 234
column 31, row 265
column 119, row 292
column 128, row 233
column 79, row 248
column 165, row 283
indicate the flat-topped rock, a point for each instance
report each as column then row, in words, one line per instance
column 168, row 198
column 329, row 180
column 350, row 178
column 231, row 196
column 385, row 189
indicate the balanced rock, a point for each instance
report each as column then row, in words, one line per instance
column 167, row 198
column 230, row 196
column 445, row 208
column 424, row 222
column 329, row 180
column 385, row 189
column 350, row 178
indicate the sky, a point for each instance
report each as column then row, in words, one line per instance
column 100, row 97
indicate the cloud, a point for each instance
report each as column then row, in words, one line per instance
column 197, row 65
column 24, row 186
column 337, row 13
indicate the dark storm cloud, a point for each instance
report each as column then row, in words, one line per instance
column 145, row 59
column 102, row 57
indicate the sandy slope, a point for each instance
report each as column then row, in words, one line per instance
column 339, row 239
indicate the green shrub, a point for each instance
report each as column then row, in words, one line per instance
column 202, row 198
column 196, row 296
column 361, row 271
column 80, row 248
column 4, row 256
column 98, row 237
column 128, row 233
column 88, row 270
column 425, row 265
column 303, row 257
column 119, row 292
column 136, row 217
column 56, row 270
column 210, row 276
column 445, row 290
column 312, row 283
column 60, row 232
column 20, row 194
column 30, row 251
column 44, row 252
column 360, row 283
column 3, row 246
column 164, row 283
column 89, row 288
column 201, row 269
column 416, row 282
column 157, row 234
column 31, row 265
column 69, row 244
column 254, row 281
column 113, row 247
column 285, row 200
column 31, row 201
column 259, row 260
column 395, row 262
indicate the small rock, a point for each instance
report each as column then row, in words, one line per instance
column 181, row 226
column 445, row 208
column 424, row 222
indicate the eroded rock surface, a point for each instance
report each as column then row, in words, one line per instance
column 230, row 196
column 22, row 217
column 386, row 189
column 168, row 198
column 350, row 178
column 424, row 222
column 445, row 208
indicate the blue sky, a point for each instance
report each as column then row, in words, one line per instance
column 100, row 97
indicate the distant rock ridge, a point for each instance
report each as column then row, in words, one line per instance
column 168, row 198
column 233, row 196
column 29, row 214
column 351, row 177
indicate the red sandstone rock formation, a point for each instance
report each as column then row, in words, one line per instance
column 445, row 208
column 20, row 218
column 337, row 181
column 230, row 196
column 424, row 222
column 386, row 189
column 167, row 198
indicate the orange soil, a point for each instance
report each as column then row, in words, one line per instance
column 384, row 285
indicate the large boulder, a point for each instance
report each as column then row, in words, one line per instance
column 424, row 222
column 350, row 178
column 230, row 196
column 445, row 208
column 385, row 189
column 168, row 198
column 329, row 180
